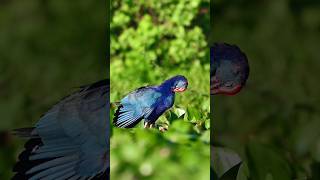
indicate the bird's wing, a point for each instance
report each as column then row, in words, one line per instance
column 135, row 106
column 74, row 139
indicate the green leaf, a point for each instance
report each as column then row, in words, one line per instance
column 243, row 173
column 267, row 163
column 223, row 159
column 179, row 112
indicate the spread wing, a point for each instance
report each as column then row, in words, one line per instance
column 135, row 106
column 71, row 141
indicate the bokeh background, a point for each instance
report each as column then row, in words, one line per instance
column 273, row 124
column 150, row 42
column 48, row 48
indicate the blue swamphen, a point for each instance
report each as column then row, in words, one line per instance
column 228, row 74
column 229, row 69
column 70, row 141
column 148, row 103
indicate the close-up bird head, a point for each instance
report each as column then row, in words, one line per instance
column 177, row 83
column 229, row 69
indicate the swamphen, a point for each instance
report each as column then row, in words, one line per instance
column 229, row 69
column 70, row 141
column 148, row 103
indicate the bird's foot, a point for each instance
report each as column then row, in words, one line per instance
column 148, row 125
column 163, row 127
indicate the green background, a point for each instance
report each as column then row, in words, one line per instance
column 47, row 49
column 273, row 124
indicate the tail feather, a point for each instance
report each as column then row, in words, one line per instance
column 24, row 164
column 28, row 168
column 61, row 149
column 125, row 118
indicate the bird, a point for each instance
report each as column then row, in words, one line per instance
column 148, row 103
column 71, row 140
column 229, row 69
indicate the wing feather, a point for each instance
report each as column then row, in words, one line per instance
column 136, row 106
column 71, row 140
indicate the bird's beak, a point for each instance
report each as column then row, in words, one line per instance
column 179, row 89
column 215, row 88
column 226, row 91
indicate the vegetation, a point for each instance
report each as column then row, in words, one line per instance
column 150, row 42
column 273, row 123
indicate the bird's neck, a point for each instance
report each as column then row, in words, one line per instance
column 166, row 87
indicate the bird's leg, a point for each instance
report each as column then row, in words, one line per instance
column 146, row 125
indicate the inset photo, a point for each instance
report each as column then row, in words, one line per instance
column 159, row 90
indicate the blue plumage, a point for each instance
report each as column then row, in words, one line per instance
column 148, row 103
column 70, row 141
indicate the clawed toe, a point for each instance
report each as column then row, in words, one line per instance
column 148, row 125
column 162, row 129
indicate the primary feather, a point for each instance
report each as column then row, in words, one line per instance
column 70, row 141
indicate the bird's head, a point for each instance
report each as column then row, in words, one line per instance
column 229, row 71
column 177, row 83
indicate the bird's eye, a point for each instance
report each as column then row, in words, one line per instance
column 228, row 84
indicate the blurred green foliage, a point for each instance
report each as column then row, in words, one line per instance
column 150, row 42
column 273, row 124
column 47, row 49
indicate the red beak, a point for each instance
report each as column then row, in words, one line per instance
column 216, row 89
column 226, row 91
column 179, row 89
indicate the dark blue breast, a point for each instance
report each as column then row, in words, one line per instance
column 165, row 103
